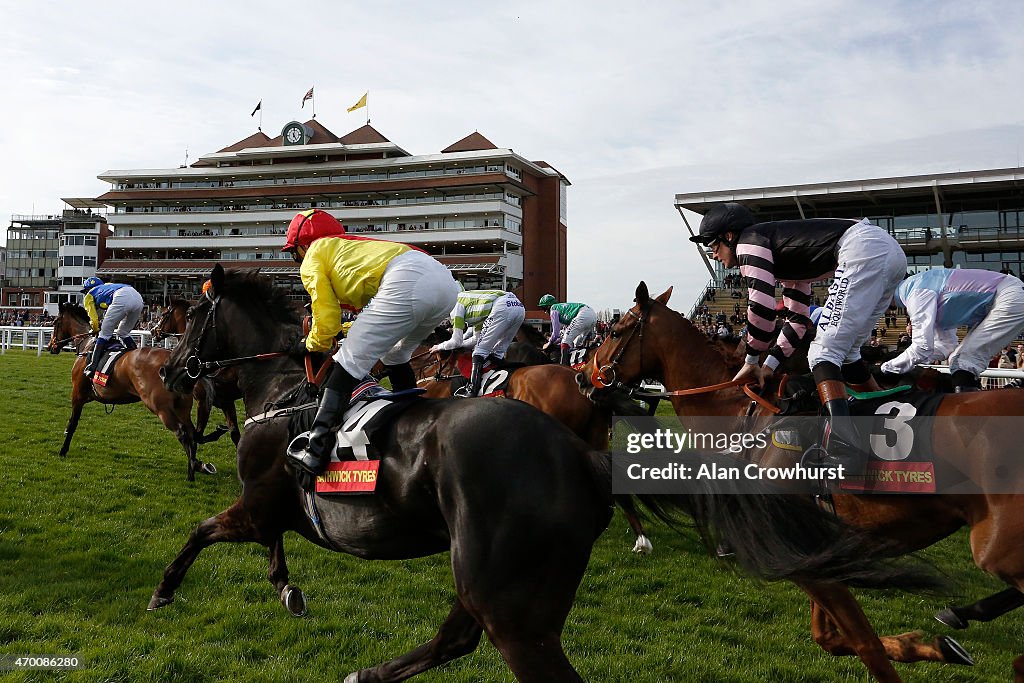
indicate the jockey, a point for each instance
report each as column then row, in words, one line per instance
column 497, row 316
column 120, row 307
column 940, row 300
column 403, row 293
column 866, row 263
column 580, row 320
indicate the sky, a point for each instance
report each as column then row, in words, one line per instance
column 632, row 102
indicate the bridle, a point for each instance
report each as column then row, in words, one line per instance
column 195, row 367
column 604, row 377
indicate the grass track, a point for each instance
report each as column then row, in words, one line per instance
column 84, row 540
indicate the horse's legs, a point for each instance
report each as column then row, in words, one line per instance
column 458, row 636
column 1018, row 670
column 846, row 613
column 643, row 544
column 907, row 647
column 986, row 609
column 69, row 431
column 291, row 596
column 233, row 525
column 231, row 415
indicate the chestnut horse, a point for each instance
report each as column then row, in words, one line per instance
column 222, row 389
column 135, row 378
column 514, row 496
column 652, row 340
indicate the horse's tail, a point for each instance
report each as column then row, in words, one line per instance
column 788, row 537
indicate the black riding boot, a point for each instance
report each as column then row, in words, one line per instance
column 566, row 351
column 97, row 350
column 128, row 343
column 476, row 376
column 842, row 447
column 964, row 380
column 402, row 376
column 329, row 414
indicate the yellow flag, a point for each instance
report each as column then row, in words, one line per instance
column 360, row 103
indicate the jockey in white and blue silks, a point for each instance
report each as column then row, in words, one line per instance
column 496, row 314
column 121, row 308
column 940, row 300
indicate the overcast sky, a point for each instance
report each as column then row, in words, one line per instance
column 633, row 102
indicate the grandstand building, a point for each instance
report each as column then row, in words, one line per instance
column 48, row 256
column 972, row 219
column 496, row 219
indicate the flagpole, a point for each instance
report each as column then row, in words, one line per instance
column 313, row 98
column 260, row 127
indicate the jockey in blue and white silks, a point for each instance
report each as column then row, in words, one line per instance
column 939, row 300
column 119, row 307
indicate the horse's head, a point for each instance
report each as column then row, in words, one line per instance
column 239, row 314
column 630, row 353
column 172, row 320
column 71, row 323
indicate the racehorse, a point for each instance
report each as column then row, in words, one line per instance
column 222, row 389
column 652, row 340
column 135, row 378
column 552, row 388
column 516, row 498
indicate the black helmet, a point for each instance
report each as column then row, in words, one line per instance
column 720, row 219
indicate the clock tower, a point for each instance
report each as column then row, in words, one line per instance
column 295, row 133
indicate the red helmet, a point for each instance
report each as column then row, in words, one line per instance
column 311, row 225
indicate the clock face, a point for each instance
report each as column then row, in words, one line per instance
column 293, row 135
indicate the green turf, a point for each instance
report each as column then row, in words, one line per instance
column 84, row 540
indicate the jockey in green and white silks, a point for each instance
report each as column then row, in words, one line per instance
column 572, row 324
column 119, row 307
column 492, row 318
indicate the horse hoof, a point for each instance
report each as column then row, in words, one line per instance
column 954, row 651
column 156, row 602
column 951, row 619
column 207, row 468
column 643, row 545
column 294, row 601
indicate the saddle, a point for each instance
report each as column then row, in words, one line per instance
column 356, row 457
column 105, row 368
column 899, row 442
column 494, row 380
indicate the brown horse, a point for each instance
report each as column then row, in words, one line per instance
column 222, row 389
column 655, row 341
column 135, row 378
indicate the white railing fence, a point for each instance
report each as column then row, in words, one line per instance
column 37, row 338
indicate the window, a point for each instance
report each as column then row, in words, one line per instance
column 89, row 261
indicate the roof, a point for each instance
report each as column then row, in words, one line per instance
column 363, row 135
column 320, row 136
column 258, row 139
column 967, row 186
column 471, row 143
column 83, row 203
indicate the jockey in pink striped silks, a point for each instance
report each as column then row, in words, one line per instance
column 866, row 263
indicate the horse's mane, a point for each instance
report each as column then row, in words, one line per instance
column 531, row 335
column 77, row 311
column 178, row 303
column 719, row 347
column 250, row 288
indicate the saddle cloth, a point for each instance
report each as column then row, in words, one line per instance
column 899, row 443
column 105, row 368
column 355, row 459
column 493, row 383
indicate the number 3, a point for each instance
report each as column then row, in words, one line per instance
column 897, row 424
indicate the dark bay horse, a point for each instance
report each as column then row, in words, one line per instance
column 655, row 341
column 135, row 378
column 514, row 496
column 552, row 388
column 220, row 391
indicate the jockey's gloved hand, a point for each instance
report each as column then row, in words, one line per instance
column 298, row 349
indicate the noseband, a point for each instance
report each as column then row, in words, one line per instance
column 604, row 377
column 194, row 365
